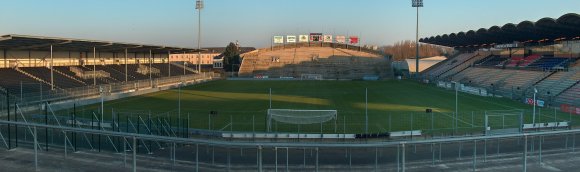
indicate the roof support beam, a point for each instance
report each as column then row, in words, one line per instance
column 41, row 45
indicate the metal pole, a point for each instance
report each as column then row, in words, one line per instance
column 150, row 67
column 525, row 153
column 540, row 153
column 126, row 66
column 35, row 149
column 260, row 158
column 168, row 62
column 474, row 154
column 65, row 146
column 51, row 69
column 179, row 102
column 134, row 154
column 270, row 98
column 403, row 157
column 199, row 7
column 534, row 113
column 317, row 159
column 366, row 112
column 417, row 47
column 456, row 103
column 95, row 66
column 196, row 157
column 398, row 158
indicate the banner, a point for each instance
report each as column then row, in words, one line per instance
column 530, row 101
column 303, row 38
column 315, row 37
column 278, row 39
column 353, row 40
column 340, row 39
column 291, row 39
column 327, row 38
column 566, row 108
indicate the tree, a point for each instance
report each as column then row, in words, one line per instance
column 406, row 49
column 232, row 58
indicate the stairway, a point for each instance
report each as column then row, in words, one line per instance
column 36, row 78
column 185, row 67
column 70, row 77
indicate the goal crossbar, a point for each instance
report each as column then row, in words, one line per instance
column 298, row 116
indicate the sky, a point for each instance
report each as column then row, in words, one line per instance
column 255, row 22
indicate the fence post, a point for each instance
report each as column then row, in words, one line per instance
column 134, row 154
column 403, row 156
column 525, row 153
column 196, row 157
column 259, row 158
column 474, row 154
column 35, row 149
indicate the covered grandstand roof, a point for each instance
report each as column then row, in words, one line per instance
column 566, row 27
column 40, row 43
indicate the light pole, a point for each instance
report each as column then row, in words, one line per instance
column 179, row 101
column 198, row 6
column 534, row 104
column 417, row 4
column 456, row 85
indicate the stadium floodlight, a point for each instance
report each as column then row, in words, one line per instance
column 199, row 6
column 417, row 4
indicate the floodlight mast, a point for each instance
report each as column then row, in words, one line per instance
column 417, row 4
column 199, row 6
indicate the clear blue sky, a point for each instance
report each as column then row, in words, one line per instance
column 254, row 22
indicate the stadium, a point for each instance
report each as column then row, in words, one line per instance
column 507, row 98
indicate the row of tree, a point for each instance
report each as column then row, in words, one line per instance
column 232, row 58
column 406, row 49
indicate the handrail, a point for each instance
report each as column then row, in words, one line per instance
column 230, row 143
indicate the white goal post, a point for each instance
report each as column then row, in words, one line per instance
column 311, row 77
column 297, row 116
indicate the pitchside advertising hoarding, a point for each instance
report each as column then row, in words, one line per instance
column 278, row 39
column 340, row 39
column 530, row 101
column 566, row 108
column 353, row 40
column 315, row 37
column 291, row 39
column 303, row 38
column 327, row 38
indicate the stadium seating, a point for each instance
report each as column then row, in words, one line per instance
column 331, row 63
column 492, row 61
column 557, row 83
column 60, row 80
column 450, row 64
column 515, row 61
column 571, row 96
column 549, row 63
column 12, row 81
column 530, row 59
column 462, row 66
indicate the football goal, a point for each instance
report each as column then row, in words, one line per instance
column 297, row 116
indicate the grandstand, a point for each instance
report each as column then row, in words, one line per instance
column 496, row 61
column 46, row 66
column 331, row 61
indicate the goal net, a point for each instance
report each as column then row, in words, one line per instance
column 311, row 76
column 503, row 122
column 294, row 116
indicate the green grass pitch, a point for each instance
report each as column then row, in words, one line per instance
column 392, row 106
